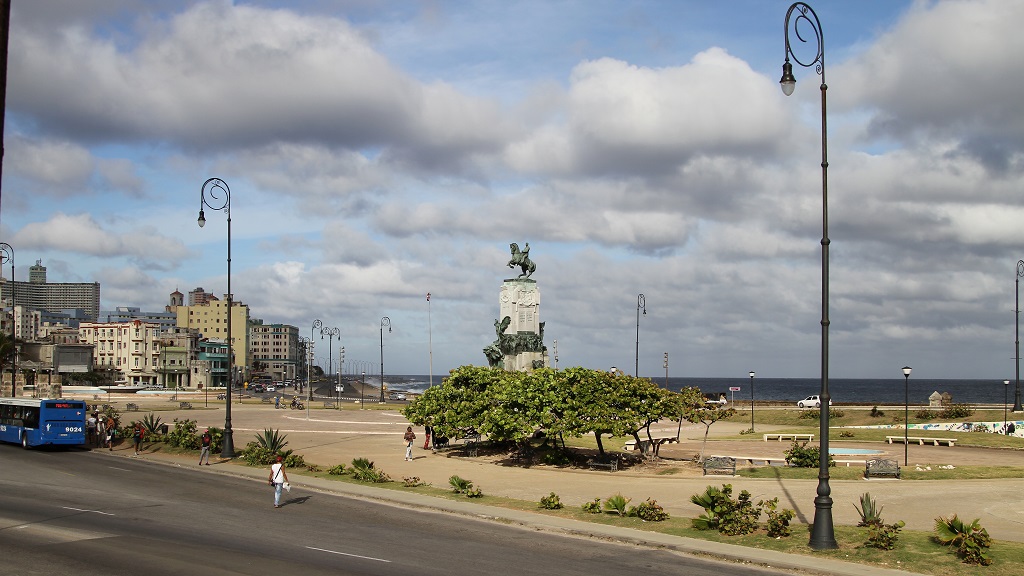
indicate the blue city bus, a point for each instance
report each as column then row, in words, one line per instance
column 40, row 422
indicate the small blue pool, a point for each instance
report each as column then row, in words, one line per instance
column 851, row 451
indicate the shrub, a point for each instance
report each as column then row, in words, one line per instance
column 617, row 504
column 257, row 455
column 292, row 460
column 778, row 521
column 651, row 511
column 474, row 492
column 870, row 513
column 800, row 456
column 310, row 467
column 550, row 502
column 924, row 414
column 184, row 435
column 845, row 434
column 747, row 431
column 412, row 481
column 835, row 413
column 460, row 485
column 721, row 512
column 364, row 470
column 969, row 540
column 272, row 440
column 810, row 415
column 151, row 423
column 593, row 507
column 336, row 470
column 876, row 413
column 956, row 411
column 884, row 536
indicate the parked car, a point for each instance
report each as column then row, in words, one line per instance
column 812, row 402
column 271, row 388
column 257, row 388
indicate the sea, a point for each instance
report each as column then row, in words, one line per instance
column 858, row 391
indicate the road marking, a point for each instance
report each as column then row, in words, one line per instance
column 81, row 510
column 121, row 469
column 347, row 554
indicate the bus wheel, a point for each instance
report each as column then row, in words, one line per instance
column 24, row 440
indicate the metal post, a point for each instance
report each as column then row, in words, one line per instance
column 7, row 255
column 1016, row 310
column 215, row 187
column 1006, row 386
column 906, row 414
column 430, row 342
column 823, row 529
column 641, row 302
column 751, row 400
column 385, row 321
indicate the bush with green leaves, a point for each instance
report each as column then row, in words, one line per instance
column 876, row 413
column 151, row 423
column 412, row 481
column 800, row 456
column 272, row 440
column 617, row 504
column 459, row 485
column 184, row 435
column 925, row 414
column 293, row 460
column 550, row 502
column 722, row 513
column 650, row 511
column 884, row 536
column 593, row 507
column 956, row 411
column 364, row 470
column 474, row 492
column 256, row 454
column 778, row 520
column 845, row 434
column 870, row 512
column 336, row 470
column 968, row 539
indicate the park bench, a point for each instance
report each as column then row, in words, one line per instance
column 470, row 444
column 267, row 400
column 221, row 396
column 185, row 405
column 755, row 460
column 131, row 407
column 611, row 464
column 655, row 442
column 878, row 467
column 783, row 436
column 328, row 404
column 720, row 465
column 921, row 440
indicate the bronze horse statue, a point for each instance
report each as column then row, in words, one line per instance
column 522, row 259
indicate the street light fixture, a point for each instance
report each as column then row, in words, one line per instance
column 823, row 531
column 1016, row 308
column 641, row 302
column 751, row 400
column 430, row 344
column 385, row 321
column 7, row 255
column 217, row 190
column 309, row 379
column 1006, row 387
column 330, row 333
column 906, row 413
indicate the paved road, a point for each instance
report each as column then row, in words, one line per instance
column 83, row 513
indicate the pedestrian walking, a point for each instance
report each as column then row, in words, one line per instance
column 426, row 441
column 101, row 431
column 204, row 441
column 138, row 432
column 90, row 429
column 111, row 432
column 410, row 436
column 277, row 402
column 278, row 479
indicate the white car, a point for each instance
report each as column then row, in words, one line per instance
column 271, row 388
column 812, row 402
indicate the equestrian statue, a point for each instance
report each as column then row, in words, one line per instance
column 522, row 259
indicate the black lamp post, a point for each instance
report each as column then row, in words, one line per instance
column 7, row 255
column 1006, row 387
column 641, row 302
column 330, row 333
column 906, row 413
column 309, row 384
column 385, row 321
column 751, row 400
column 220, row 194
column 1016, row 309
column 823, row 531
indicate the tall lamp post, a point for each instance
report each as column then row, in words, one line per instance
column 330, row 333
column 385, row 321
column 906, row 413
column 823, row 531
column 641, row 302
column 7, row 255
column 666, row 370
column 430, row 343
column 751, row 400
column 218, row 192
column 317, row 324
column 1017, row 341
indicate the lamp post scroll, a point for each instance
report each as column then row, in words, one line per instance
column 800, row 18
column 216, row 191
column 641, row 303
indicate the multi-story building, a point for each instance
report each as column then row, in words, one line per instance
column 166, row 319
column 132, row 348
column 274, row 348
column 56, row 297
column 199, row 297
column 211, row 320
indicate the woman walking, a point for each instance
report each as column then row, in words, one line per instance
column 410, row 436
column 278, row 478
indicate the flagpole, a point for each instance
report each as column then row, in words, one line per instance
column 430, row 342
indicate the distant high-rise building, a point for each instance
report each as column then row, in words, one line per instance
column 56, row 297
column 199, row 297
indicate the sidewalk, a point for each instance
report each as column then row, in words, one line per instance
column 330, row 437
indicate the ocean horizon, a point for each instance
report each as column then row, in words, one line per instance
column 842, row 390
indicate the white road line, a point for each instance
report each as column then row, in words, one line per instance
column 121, row 469
column 81, row 510
column 347, row 554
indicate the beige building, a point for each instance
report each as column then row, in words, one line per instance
column 131, row 348
column 211, row 320
column 276, row 348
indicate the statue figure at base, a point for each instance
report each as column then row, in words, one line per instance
column 522, row 259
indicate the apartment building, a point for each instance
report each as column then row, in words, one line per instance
column 131, row 348
column 275, row 349
column 52, row 297
column 211, row 320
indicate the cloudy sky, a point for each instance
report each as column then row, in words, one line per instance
column 380, row 150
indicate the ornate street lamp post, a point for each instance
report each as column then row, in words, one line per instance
column 309, row 380
column 751, row 400
column 218, row 192
column 430, row 343
column 7, row 255
column 385, row 321
column 906, row 413
column 823, row 531
column 1016, row 309
column 330, row 333
column 1006, row 387
column 641, row 302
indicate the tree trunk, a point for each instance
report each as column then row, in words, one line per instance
column 600, row 446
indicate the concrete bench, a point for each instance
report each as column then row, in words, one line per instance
column 655, row 441
column 720, row 465
column 131, row 407
column 612, row 465
column 922, row 440
column 266, row 400
column 758, row 460
column 185, row 405
column 328, row 404
column 795, row 437
column 878, row 467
